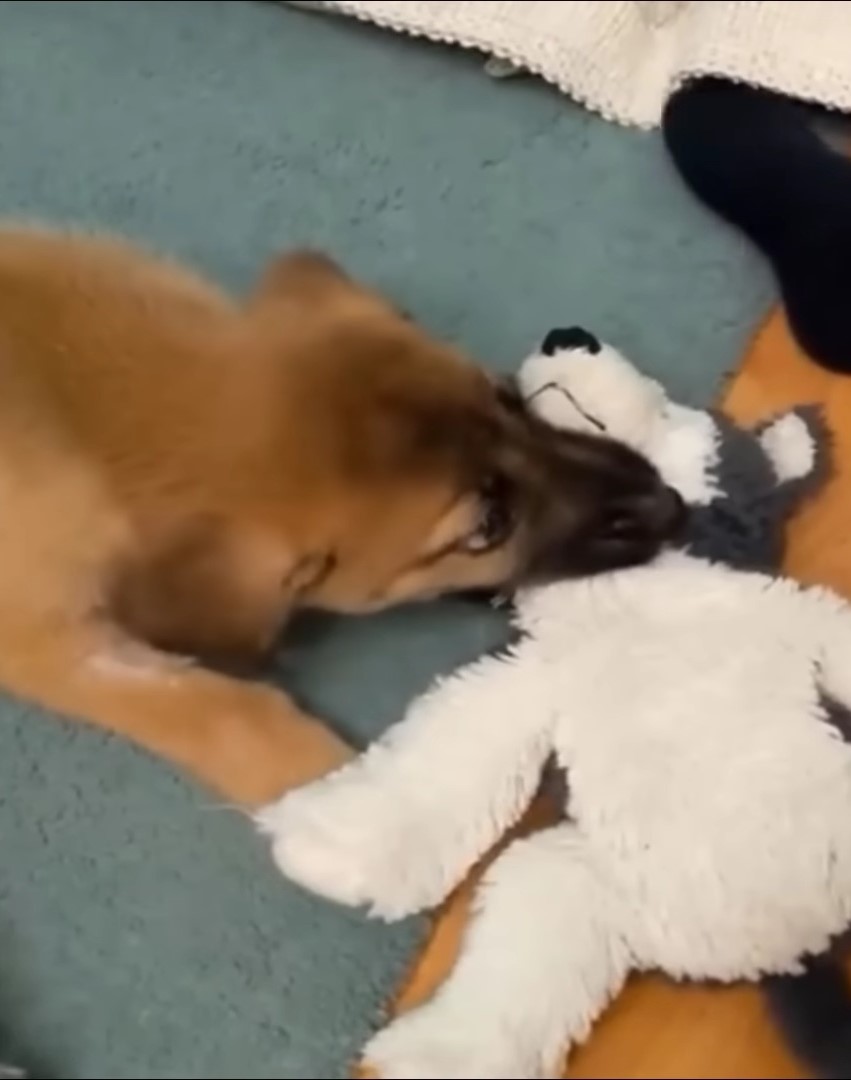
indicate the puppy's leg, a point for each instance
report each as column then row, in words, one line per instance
column 247, row 741
column 62, row 545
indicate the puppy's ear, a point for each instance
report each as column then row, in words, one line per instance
column 214, row 592
column 308, row 277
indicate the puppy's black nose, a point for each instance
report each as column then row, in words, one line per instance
column 573, row 339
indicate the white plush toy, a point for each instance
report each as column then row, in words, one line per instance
column 699, row 708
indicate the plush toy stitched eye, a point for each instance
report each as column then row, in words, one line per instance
column 583, row 412
column 598, row 425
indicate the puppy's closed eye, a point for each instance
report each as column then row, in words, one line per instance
column 477, row 524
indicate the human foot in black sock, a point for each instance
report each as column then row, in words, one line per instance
column 757, row 159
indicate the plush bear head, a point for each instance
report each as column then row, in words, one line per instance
column 740, row 485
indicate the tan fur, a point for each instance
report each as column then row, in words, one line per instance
column 180, row 470
column 130, row 398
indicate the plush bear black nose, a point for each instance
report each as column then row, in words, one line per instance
column 572, row 339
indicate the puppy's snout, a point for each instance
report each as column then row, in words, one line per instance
column 587, row 504
column 660, row 513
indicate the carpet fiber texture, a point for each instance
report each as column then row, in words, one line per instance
column 143, row 932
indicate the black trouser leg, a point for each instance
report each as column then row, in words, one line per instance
column 757, row 159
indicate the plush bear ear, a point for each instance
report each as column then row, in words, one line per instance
column 796, row 444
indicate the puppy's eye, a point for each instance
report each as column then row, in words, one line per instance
column 495, row 519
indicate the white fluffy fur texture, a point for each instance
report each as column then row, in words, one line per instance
column 708, row 831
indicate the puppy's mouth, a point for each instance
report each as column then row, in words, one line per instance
column 620, row 537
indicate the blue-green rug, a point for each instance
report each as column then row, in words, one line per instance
column 143, row 933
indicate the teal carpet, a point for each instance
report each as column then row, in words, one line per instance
column 143, row 933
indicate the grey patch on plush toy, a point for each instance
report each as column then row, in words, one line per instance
column 743, row 526
column 800, row 479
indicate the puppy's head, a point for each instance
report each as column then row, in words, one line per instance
column 422, row 475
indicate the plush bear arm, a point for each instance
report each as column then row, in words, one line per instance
column 398, row 829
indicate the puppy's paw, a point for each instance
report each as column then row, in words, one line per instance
column 443, row 1043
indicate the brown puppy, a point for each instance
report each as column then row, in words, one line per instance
column 179, row 471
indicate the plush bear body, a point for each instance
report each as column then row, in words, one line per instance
column 699, row 707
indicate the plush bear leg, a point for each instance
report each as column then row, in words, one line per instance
column 542, row 960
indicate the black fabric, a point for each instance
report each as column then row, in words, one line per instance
column 757, row 159
column 814, row 1012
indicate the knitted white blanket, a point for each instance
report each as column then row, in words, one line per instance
column 622, row 59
